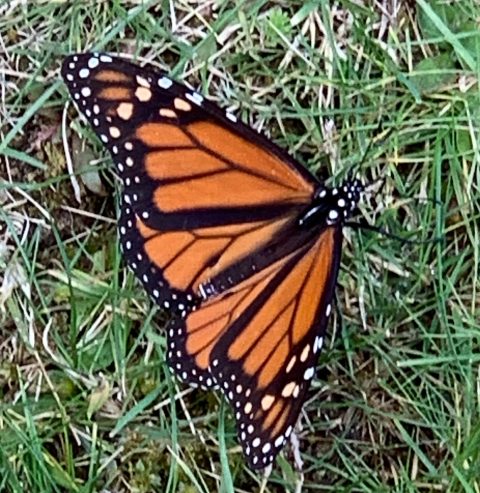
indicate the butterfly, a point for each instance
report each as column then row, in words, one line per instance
column 227, row 231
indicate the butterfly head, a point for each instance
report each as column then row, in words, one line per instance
column 332, row 206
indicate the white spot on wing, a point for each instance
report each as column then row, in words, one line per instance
column 194, row 97
column 93, row 62
column 332, row 215
column 279, row 441
column 142, row 81
column 308, row 373
column 305, row 352
column 165, row 82
column 114, row 132
column 328, row 310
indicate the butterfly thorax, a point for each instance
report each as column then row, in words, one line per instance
column 332, row 206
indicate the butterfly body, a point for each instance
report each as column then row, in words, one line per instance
column 226, row 230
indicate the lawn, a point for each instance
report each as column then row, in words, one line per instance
column 387, row 88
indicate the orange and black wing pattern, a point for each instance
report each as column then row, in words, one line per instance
column 259, row 342
column 197, row 184
column 225, row 229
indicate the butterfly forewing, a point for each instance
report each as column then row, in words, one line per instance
column 197, row 184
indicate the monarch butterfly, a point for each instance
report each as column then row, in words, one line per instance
column 227, row 230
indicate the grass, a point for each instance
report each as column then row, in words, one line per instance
column 87, row 403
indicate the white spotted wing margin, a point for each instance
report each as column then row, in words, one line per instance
column 116, row 97
column 263, row 369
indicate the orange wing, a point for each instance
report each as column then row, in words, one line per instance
column 259, row 341
column 202, row 192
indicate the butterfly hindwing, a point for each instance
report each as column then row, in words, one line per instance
column 259, row 342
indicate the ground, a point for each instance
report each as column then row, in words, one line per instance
column 387, row 88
